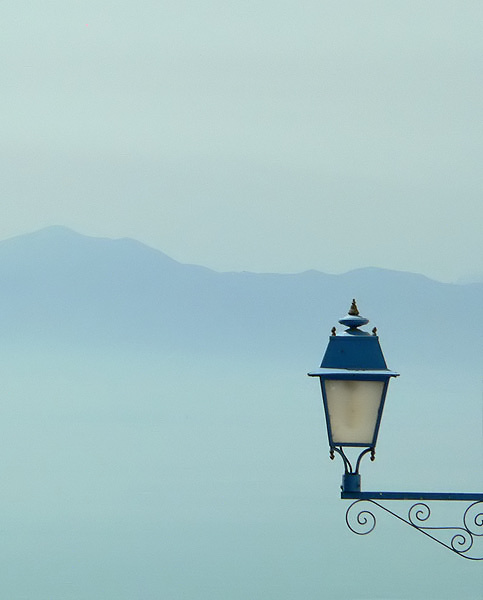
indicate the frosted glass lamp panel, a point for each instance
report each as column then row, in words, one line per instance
column 353, row 409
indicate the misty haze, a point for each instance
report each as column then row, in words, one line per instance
column 160, row 437
column 192, row 193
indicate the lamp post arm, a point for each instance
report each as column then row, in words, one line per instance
column 460, row 539
column 446, row 496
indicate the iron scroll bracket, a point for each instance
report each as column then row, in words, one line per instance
column 460, row 539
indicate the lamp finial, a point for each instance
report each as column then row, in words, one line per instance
column 354, row 311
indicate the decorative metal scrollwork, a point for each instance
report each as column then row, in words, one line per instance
column 361, row 520
column 347, row 463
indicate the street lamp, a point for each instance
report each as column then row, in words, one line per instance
column 354, row 379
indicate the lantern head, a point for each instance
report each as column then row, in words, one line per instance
column 354, row 378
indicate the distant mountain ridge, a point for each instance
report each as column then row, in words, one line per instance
column 59, row 285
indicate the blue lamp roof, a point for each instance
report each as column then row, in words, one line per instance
column 353, row 349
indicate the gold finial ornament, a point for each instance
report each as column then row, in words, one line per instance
column 333, row 330
column 354, row 311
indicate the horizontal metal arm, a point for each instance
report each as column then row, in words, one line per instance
column 467, row 497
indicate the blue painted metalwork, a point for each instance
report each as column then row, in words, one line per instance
column 362, row 375
column 354, row 349
column 356, row 355
column 351, row 485
column 353, row 355
column 348, row 468
column 348, row 494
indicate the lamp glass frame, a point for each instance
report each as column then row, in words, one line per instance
column 359, row 376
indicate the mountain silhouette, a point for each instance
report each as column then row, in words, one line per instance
column 58, row 285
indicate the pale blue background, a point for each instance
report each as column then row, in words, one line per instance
column 262, row 136
column 258, row 135
column 159, row 436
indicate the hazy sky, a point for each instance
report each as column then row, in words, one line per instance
column 259, row 135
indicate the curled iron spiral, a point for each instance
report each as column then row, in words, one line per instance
column 419, row 513
column 361, row 520
column 476, row 520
